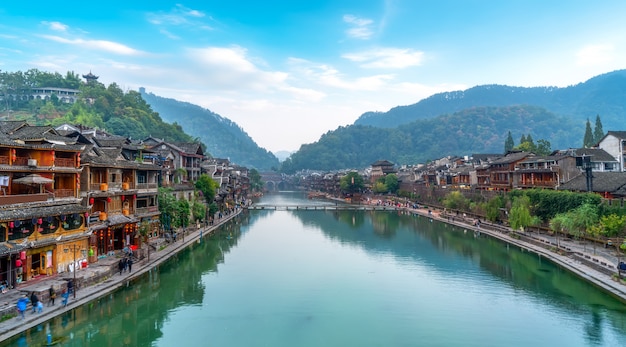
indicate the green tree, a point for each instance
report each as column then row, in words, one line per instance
column 208, row 187
column 379, row 187
column 613, row 224
column 392, row 183
column 582, row 218
column 455, row 201
column 509, row 144
column 598, row 132
column 588, row 139
column 520, row 217
column 256, row 183
column 559, row 225
column 351, row 183
column 543, row 147
column 492, row 208
column 522, row 139
column 530, row 140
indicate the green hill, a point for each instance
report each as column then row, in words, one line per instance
column 603, row 95
column 474, row 130
column 223, row 138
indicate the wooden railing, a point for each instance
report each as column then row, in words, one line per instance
column 64, row 162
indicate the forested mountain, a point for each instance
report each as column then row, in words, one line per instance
column 603, row 95
column 97, row 106
column 223, row 138
column 473, row 130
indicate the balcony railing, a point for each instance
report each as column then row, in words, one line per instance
column 4, row 160
column 64, row 193
column 64, row 162
column 147, row 185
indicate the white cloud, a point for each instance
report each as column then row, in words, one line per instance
column 178, row 16
column 101, row 45
column 329, row 76
column 387, row 58
column 360, row 28
column 56, row 26
column 231, row 68
column 593, row 55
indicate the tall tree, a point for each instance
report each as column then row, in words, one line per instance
column 598, row 132
column 508, row 143
column 352, row 183
column 588, row 139
column 522, row 139
column 530, row 140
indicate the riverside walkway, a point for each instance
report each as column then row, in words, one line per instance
column 596, row 266
column 104, row 269
column 322, row 207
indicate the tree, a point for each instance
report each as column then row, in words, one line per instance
column 455, row 201
column 207, row 186
column 583, row 218
column 522, row 139
column 598, row 132
column 351, row 183
column 543, row 147
column 520, row 217
column 613, row 224
column 530, row 140
column 558, row 224
column 588, row 139
column 509, row 144
column 256, row 184
column 492, row 208
column 392, row 183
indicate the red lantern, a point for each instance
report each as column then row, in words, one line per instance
column 39, row 221
column 135, row 197
column 11, row 225
column 109, row 199
column 123, row 197
column 91, row 200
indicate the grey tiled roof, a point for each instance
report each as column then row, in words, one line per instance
column 611, row 182
column 10, row 214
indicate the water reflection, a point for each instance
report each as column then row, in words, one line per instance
column 283, row 276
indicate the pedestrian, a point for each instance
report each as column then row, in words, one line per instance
column 120, row 265
column 70, row 287
column 21, row 305
column 125, row 263
column 39, row 307
column 53, row 295
column 65, row 296
column 34, row 300
column 130, row 263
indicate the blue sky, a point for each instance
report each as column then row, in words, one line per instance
column 289, row 71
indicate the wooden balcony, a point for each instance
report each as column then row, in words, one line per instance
column 22, row 198
column 64, row 162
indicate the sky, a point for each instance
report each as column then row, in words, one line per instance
column 288, row 72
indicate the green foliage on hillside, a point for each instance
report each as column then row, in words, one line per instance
column 603, row 94
column 475, row 130
column 223, row 138
column 109, row 108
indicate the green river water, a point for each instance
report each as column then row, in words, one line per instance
column 345, row 278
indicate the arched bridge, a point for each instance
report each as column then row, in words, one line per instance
column 274, row 182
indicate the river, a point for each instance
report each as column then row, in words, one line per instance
column 345, row 278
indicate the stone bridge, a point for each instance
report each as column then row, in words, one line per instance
column 274, row 181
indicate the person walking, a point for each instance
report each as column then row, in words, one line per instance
column 130, row 263
column 120, row 265
column 53, row 295
column 34, row 300
column 21, row 305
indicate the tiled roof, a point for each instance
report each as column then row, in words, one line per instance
column 10, row 214
column 602, row 182
column 511, row 157
column 618, row 134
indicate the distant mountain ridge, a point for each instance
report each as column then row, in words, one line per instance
column 476, row 120
column 223, row 137
column 603, row 95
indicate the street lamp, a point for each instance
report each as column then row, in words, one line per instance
column 73, row 248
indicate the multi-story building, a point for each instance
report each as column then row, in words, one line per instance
column 43, row 228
